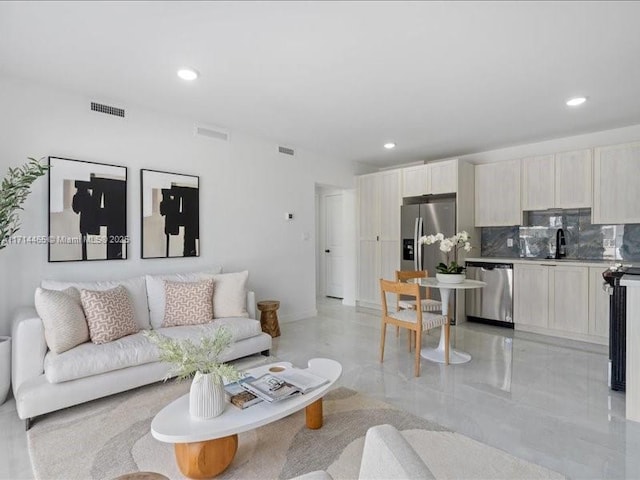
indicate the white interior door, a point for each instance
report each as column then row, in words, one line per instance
column 333, row 245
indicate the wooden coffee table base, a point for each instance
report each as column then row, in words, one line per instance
column 210, row 458
column 206, row 459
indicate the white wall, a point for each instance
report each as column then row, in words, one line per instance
column 246, row 188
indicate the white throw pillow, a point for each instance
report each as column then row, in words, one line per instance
column 188, row 303
column 135, row 287
column 156, row 294
column 230, row 295
column 109, row 314
column 65, row 325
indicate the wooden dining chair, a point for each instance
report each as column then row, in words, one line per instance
column 414, row 320
column 428, row 303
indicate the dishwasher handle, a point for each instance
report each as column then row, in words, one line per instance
column 488, row 266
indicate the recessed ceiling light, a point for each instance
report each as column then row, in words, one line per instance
column 575, row 101
column 188, row 74
column 389, row 145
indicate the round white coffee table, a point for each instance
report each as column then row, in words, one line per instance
column 437, row 354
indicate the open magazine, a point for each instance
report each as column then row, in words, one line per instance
column 287, row 382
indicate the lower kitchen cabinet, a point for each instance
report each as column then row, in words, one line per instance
column 531, row 295
column 560, row 300
column 569, row 299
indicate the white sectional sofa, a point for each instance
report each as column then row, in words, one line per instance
column 44, row 381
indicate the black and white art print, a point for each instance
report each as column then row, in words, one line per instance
column 170, row 214
column 87, row 211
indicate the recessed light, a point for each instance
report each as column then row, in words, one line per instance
column 389, row 145
column 575, row 101
column 188, row 74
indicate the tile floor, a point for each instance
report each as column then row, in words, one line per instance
column 541, row 399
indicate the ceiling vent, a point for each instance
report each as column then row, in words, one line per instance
column 101, row 108
column 286, row 151
column 211, row 132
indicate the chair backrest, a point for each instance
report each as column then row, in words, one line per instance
column 404, row 275
column 398, row 288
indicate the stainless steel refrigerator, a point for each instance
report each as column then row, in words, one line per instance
column 418, row 219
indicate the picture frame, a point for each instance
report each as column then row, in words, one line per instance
column 169, row 214
column 87, row 211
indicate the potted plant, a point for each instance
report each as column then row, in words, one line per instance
column 14, row 190
column 449, row 272
column 206, row 396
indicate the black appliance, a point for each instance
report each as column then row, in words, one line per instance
column 617, row 325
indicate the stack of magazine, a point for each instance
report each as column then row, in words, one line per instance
column 286, row 383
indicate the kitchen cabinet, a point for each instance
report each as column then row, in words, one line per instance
column 573, row 179
column 569, row 299
column 415, row 181
column 559, row 300
column 531, row 295
column 562, row 180
column 538, row 182
column 497, row 194
column 379, row 201
column 443, row 177
column 430, row 179
column 598, row 304
column 616, row 195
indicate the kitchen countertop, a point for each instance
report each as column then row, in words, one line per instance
column 544, row 261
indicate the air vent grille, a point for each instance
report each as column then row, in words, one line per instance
column 101, row 108
column 211, row 132
column 286, row 151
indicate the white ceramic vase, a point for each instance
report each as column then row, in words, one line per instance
column 5, row 367
column 206, row 397
column 450, row 277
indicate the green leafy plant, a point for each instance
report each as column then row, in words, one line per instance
column 188, row 357
column 13, row 192
column 449, row 246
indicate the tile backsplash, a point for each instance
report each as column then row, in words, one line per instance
column 584, row 241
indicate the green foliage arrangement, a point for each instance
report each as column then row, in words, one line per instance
column 188, row 357
column 13, row 192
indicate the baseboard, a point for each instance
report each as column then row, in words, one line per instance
column 293, row 317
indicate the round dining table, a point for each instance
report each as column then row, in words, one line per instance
column 437, row 354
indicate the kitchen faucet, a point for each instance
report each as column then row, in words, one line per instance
column 560, row 244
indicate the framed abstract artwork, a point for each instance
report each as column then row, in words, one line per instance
column 87, row 211
column 170, row 214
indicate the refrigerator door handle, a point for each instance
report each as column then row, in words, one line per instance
column 418, row 246
column 415, row 244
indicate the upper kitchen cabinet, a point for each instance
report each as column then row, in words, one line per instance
column 430, row 179
column 415, row 181
column 538, row 182
column 497, row 194
column 573, row 179
column 562, row 180
column 616, row 195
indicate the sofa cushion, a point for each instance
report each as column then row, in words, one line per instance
column 109, row 314
column 90, row 359
column 230, row 295
column 188, row 303
column 65, row 325
column 135, row 286
column 156, row 295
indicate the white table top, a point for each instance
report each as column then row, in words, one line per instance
column 173, row 424
column 466, row 284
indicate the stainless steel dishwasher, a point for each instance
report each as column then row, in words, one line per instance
column 492, row 304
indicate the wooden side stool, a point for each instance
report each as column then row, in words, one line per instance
column 269, row 317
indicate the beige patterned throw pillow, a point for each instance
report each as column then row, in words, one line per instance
column 61, row 312
column 109, row 314
column 188, row 303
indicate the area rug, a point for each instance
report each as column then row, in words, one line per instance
column 110, row 437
